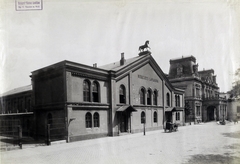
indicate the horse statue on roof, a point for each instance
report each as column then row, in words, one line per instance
column 143, row 47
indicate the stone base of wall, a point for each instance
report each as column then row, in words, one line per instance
column 86, row 137
column 147, row 129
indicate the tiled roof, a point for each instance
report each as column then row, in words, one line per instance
column 116, row 65
column 17, row 90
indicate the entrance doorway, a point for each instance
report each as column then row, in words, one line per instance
column 210, row 113
column 123, row 122
column 168, row 116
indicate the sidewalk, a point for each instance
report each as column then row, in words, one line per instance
column 155, row 147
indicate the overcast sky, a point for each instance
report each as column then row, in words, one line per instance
column 98, row 31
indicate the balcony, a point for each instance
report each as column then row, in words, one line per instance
column 213, row 98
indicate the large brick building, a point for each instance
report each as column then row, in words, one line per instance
column 117, row 98
column 201, row 90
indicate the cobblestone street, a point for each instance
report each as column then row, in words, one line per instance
column 203, row 143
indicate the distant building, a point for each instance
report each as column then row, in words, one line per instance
column 234, row 109
column 201, row 90
column 16, row 109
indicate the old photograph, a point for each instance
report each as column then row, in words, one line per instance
column 120, row 81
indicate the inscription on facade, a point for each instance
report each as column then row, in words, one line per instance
column 147, row 78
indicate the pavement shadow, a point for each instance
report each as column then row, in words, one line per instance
column 213, row 159
column 232, row 134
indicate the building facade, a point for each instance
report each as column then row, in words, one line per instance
column 201, row 90
column 127, row 96
column 16, row 109
column 233, row 107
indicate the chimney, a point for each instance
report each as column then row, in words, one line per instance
column 214, row 79
column 95, row 65
column 122, row 61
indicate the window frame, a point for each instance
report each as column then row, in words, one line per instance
column 149, row 97
column 143, row 117
column 96, row 120
column 168, row 99
column 95, row 92
column 154, row 97
column 86, row 91
column 177, row 116
column 155, row 119
column 88, row 120
column 142, row 96
column 122, row 95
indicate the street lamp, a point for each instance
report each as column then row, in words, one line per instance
column 144, row 131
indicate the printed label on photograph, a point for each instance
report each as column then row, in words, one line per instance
column 23, row 5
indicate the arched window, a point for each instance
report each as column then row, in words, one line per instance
column 88, row 119
column 95, row 92
column 86, row 91
column 149, row 97
column 142, row 96
column 96, row 120
column 155, row 98
column 155, row 116
column 122, row 94
column 143, row 118
column 168, row 99
column 49, row 119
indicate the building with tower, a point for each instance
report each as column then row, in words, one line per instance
column 201, row 90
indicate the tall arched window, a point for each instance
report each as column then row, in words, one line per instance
column 122, row 94
column 155, row 116
column 149, row 97
column 95, row 92
column 155, row 98
column 142, row 96
column 88, row 120
column 96, row 122
column 143, row 118
column 168, row 99
column 86, row 90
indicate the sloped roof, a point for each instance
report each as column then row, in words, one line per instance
column 17, row 90
column 116, row 65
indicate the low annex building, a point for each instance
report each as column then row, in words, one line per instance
column 82, row 102
column 16, row 110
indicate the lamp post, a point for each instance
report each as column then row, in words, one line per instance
column 144, row 119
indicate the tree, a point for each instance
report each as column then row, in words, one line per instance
column 235, row 92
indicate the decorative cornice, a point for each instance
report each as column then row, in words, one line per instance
column 85, row 75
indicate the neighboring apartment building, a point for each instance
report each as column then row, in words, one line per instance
column 201, row 90
column 102, row 101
